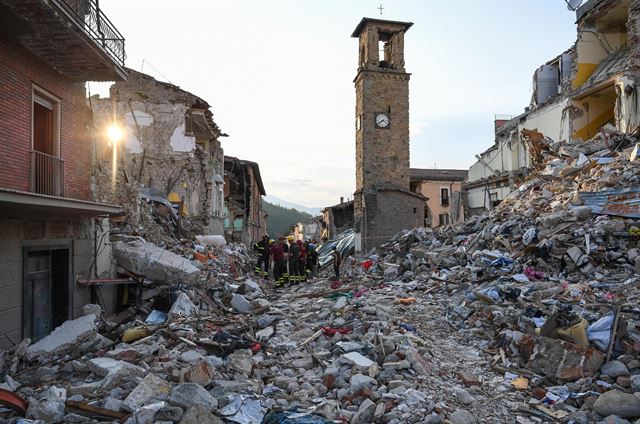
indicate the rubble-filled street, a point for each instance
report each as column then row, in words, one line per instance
column 177, row 257
column 527, row 314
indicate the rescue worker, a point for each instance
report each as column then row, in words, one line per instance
column 262, row 247
column 302, row 261
column 312, row 258
column 337, row 260
column 279, row 266
column 294, row 261
column 285, row 247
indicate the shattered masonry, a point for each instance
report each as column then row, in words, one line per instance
column 593, row 83
column 171, row 144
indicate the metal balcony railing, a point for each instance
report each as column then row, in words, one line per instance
column 96, row 25
column 47, row 174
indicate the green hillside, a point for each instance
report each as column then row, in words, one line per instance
column 281, row 219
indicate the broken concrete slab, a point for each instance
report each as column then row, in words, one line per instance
column 63, row 337
column 154, row 262
column 105, row 366
column 358, row 359
column 187, row 395
column 151, row 387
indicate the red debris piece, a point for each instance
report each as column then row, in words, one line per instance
column 13, row 401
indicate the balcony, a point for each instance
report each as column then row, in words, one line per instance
column 74, row 37
column 95, row 24
column 47, row 174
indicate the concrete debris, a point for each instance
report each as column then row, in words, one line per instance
column 64, row 337
column 182, row 307
column 526, row 314
column 49, row 407
column 240, row 303
column 187, row 395
column 154, row 262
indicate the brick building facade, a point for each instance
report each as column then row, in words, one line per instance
column 48, row 221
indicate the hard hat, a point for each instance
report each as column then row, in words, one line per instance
column 272, row 241
column 290, row 238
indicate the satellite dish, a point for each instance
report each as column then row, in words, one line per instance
column 573, row 4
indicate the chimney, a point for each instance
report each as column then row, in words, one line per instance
column 341, row 199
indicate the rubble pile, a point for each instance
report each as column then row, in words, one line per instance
column 527, row 314
column 546, row 284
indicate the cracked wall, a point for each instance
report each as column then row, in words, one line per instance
column 170, row 144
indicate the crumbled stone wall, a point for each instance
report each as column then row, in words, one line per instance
column 157, row 149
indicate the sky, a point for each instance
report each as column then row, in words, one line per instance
column 279, row 76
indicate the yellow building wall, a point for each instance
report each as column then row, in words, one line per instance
column 591, row 49
column 431, row 190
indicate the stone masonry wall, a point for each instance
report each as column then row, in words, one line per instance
column 382, row 155
column 158, row 150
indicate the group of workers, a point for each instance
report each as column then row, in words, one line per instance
column 293, row 260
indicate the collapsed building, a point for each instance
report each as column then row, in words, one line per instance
column 575, row 95
column 244, row 218
column 310, row 229
column 336, row 219
column 442, row 189
column 52, row 231
column 170, row 149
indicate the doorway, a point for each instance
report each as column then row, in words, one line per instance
column 46, row 294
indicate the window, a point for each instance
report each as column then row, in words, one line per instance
column 444, row 219
column 444, row 197
column 46, row 123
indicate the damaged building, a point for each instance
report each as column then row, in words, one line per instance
column 442, row 189
column 576, row 95
column 244, row 219
column 53, row 235
column 336, row 219
column 170, row 152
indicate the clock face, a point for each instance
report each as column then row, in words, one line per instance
column 382, row 120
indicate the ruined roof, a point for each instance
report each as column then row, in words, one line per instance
column 254, row 166
column 365, row 21
column 180, row 95
column 418, row 174
column 342, row 205
column 591, row 7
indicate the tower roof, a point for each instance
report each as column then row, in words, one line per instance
column 363, row 23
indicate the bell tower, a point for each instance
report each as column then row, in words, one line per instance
column 382, row 106
column 383, row 203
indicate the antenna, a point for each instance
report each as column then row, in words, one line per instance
column 573, row 4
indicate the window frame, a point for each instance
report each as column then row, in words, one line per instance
column 442, row 203
column 42, row 97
